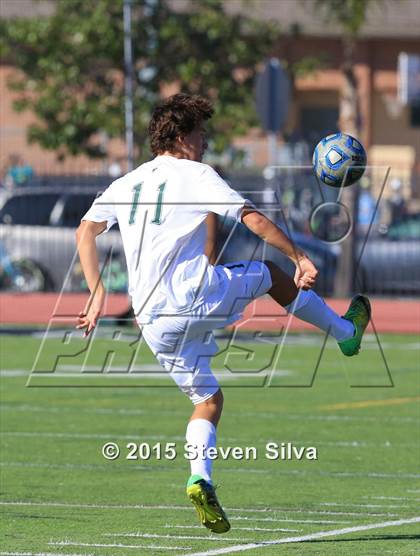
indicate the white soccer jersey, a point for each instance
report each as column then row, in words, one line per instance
column 160, row 208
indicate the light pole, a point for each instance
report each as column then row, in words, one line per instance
column 128, row 85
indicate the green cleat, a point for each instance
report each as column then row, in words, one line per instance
column 210, row 512
column 359, row 314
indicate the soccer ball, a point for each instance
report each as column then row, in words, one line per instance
column 339, row 160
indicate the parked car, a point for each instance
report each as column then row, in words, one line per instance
column 38, row 225
column 387, row 265
column 391, row 264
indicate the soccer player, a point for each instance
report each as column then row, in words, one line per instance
column 163, row 209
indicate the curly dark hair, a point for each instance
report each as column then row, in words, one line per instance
column 175, row 117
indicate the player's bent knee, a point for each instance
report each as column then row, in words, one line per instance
column 220, row 398
column 216, row 400
column 283, row 289
column 273, row 269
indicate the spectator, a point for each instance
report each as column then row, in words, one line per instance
column 19, row 173
column 396, row 202
column 368, row 213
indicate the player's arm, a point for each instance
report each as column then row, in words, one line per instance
column 211, row 242
column 86, row 244
column 263, row 227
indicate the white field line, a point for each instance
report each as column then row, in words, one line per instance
column 292, row 417
column 139, row 467
column 285, row 520
column 303, row 473
column 13, row 372
column 310, row 537
column 404, row 498
column 25, row 408
column 321, row 512
column 151, row 376
column 239, row 441
column 232, row 518
column 346, row 505
column 87, row 436
column 152, row 371
column 259, row 414
column 42, row 554
column 117, row 545
column 355, row 443
column 183, row 537
column 266, row 529
column 188, row 508
column 96, row 506
column 93, row 466
column 146, row 370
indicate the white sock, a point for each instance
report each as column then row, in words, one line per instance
column 201, row 433
column 308, row 306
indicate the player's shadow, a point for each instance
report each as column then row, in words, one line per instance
column 370, row 538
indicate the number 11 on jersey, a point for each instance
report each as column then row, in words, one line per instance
column 136, row 195
column 135, row 203
column 156, row 219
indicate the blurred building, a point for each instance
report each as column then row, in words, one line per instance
column 389, row 130
column 13, row 128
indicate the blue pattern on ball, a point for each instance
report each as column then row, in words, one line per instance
column 339, row 160
column 335, row 165
column 329, row 179
column 330, row 138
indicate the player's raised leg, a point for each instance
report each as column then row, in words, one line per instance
column 308, row 306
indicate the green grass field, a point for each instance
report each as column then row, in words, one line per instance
column 60, row 496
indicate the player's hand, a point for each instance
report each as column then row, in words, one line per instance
column 88, row 318
column 306, row 273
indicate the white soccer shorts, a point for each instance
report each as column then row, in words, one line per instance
column 184, row 344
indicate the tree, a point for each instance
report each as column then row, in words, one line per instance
column 71, row 68
column 349, row 16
